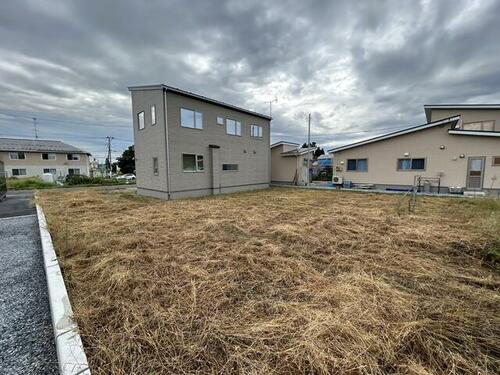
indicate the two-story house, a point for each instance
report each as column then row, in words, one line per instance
column 459, row 147
column 30, row 157
column 188, row 145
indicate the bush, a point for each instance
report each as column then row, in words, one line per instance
column 325, row 174
column 14, row 183
column 85, row 180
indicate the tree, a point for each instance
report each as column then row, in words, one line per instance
column 319, row 151
column 126, row 162
column 312, row 144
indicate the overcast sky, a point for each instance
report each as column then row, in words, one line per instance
column 360, row 67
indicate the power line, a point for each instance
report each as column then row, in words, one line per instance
column 79, row 122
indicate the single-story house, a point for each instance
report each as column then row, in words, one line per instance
column 34, row 157
column 459, row 147
column 188, row 145
column 289, row 163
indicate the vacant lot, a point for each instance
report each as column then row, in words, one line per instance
column 281, row 282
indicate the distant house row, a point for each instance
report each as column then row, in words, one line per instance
column 27, row 158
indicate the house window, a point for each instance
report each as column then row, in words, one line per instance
column 140, row 120
column 192, row 163
column 73, row 156
column 49, row 170
column 155, row 166
column 496, row 161
column 220, row 120
column 191, row 119
column 411, row 164
column 153, row 115
column 73, row 171
column 479, row 125
column 357, row 165
column 256, row 131
column 48, row 156
column 18, row 155
column 229, row 167
column 233, row 127
column 18, row 172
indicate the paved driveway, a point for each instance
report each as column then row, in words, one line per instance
column 17, row 204
column 26, row 335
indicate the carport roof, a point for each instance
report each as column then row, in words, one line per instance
column 37, row 145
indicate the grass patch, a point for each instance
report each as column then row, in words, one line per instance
column 28, row 183
column 280, row 282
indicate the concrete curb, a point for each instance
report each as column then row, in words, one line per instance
column 70, row 353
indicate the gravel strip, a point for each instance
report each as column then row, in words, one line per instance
column 26, row 335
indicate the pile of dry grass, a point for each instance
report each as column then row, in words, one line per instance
column 280, row 282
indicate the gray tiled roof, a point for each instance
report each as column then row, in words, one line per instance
column 38, row 145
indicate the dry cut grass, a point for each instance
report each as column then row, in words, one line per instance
column 280, row 282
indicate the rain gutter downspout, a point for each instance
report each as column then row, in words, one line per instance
column 167, row 147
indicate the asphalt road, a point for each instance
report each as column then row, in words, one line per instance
column 17, row 204
column 26, row 334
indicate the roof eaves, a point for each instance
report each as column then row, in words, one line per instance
column 396, row 133
column 284, row 143
column 198, row 97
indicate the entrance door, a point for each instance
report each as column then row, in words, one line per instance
column 475, row 172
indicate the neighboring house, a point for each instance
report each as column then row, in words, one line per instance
column 29, row 158
column 289, row 163
column 188, row 145
column 458, row 147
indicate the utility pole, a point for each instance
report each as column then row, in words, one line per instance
column 34, row 125
column 308, row 146
column 110, row 170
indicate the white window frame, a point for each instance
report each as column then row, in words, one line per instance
column 153, row 115
column 19, row 172
column 74, row 169
column 74, row 157
column 48, row 156
column 220, row 120
column 197, row 159
column 17, row 153
column 237, row 127
column 357, row 163
column 49, row 170
column 195, row 119
column 256, row 131
column 411, row 165
column 140, row 120
column 231, row 170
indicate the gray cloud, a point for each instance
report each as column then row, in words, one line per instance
column 358, row 67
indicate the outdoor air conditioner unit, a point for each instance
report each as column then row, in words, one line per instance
column 337, row 180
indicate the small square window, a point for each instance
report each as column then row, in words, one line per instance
column 357, row 165
column 73, row 171
column 18, row 155
column 496, row 161
column 256, row 131
column 191, row 119
column 220, row 120
column 73, row 156
column 192, row 163
column 19, row 172
column 153, row 115
column 48, row 156
column 233, row 127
